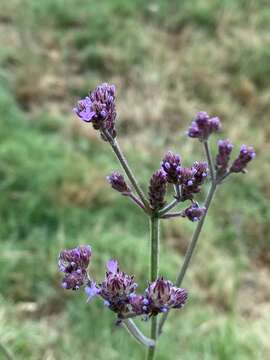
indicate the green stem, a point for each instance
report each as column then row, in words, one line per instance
column 154, row 269
column 137, row 334
column 209, row 160
column 120, row 156
column 190, row 249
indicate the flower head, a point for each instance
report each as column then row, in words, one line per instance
column 99, row 108
column 246, row 154
column 157, row 189
column 171, row 164
column 163, row 295
column 192, row 178
column 117, row 288
column 118, row 183
column 73, row 263
column 223, row 157
column 203, row 126
column 139, row 304
column 194, row 212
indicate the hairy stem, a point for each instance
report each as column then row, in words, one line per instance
column 154, row 269
column 190, row 249
column 137, row 334
column 136, row 201
column 120, row 156
column 209, row 160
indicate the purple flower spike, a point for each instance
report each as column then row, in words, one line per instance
column 73, row 263
column 117, row 288
column 163, row 295
column 99, row 108
column 203, row 126
column 246, row 154
column 118, row 183
column 223, row 157
column 171, row 164
column 194, row 212
column 192, row 178
column 157, row 189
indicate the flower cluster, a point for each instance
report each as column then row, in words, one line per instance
column 118, row 290
column 194, row 212
column 203, row 126
column 157, row 189
column 118, row 183
column 73, row 263
column 223, row 157
column 246, row 154
column 99, row 108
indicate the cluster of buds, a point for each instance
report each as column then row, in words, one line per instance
column 246, row 154
column 118, row 290
column 157, row 189
column 203, row 126
column 118, row 183
column 99, row 108
column 73, row 263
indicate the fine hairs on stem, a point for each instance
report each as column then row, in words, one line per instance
column 118, row 290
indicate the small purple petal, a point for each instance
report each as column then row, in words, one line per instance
column 112, row 266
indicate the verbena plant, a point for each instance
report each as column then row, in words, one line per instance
column 118, row 290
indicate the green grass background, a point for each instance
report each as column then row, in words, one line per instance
column 168, row 60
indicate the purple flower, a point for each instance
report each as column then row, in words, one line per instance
column 157, row 189
column 73, row 263
column 246, row 154
column 99, row 108
column 171, row 164
column 139, row 304
column 194, row 212
column 192, row 178
column 91, row 290
column 203, row 126
column 223, row 157
column 163, row 295
column 118, row 183
column 117, row 288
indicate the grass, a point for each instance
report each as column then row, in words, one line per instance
column 168, row 60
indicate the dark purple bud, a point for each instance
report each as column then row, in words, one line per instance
column 171, row 164
column 99, row 108
column 203, row 126
column 157, row 189
column 223, row 157
column 73, row 263
column 162, row 296
column 118, row 183
column 201, row 173
column 139, row 304
column 194, row 212
column 246, row 154
column 192, row 178
column 117, row 288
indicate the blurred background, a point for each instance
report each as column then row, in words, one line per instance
column 168, row 59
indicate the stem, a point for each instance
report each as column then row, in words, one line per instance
column 120, row 156
column 209, row 160
column 137, row 334
column 168, row 207
column 137, row 201
column 172, row 215
column 191, row 248
column 154, row 269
